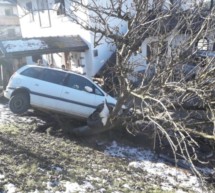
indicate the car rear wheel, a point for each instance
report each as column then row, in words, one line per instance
column 19, row 103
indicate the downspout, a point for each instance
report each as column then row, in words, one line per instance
column 2, row 77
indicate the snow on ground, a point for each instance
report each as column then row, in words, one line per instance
column 138, row 159
column 169, row 176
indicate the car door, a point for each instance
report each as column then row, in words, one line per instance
column 49, row 88
column 29, row 79
column 44, row 86
column 77, row 100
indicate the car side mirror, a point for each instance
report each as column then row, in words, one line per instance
column 88, row 89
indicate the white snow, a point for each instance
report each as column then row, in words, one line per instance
column 75, row 187
column 169, row 176
column 10, row 188
column 24, row 45
column 145, row 160
column 2, row 176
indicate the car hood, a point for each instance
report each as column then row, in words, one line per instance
column 111, row 100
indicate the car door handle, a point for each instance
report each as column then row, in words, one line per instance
column 36, row 85
column 66, row 92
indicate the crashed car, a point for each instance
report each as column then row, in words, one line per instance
column 55, row 90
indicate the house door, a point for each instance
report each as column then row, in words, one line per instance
column 74, row 62
column 75, row 59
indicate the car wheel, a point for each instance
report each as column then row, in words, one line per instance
column 19, row 103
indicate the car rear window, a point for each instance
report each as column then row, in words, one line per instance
column 32, row 72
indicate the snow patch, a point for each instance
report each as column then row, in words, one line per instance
column 75, row 187
column 144, row 160
column 24, row 45
column 10, row 188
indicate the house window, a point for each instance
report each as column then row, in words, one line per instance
column 148, row 53
column 44, row 14
column 207, row 4
column 29, row 7
column 60, row 7
column 95, row 53
column 42, row 5
column 213, row 46
column 11, row 32
column 175, row 2
column 8, row 12
column 203, row 44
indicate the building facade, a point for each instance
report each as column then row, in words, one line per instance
column 51, row 18
column 9, row 21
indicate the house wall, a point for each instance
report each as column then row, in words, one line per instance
column 139, row 60
column 10, row 32
column 5, row 6
column 182, row 4
column 9, row 21
column 47, row 23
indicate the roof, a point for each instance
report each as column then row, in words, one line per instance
column 9, row 3
column 42, row 45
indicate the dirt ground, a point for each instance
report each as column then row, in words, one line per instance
column 35, row 154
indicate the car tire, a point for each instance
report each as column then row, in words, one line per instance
column 19, row 103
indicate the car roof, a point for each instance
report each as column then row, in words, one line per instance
column 55, row 68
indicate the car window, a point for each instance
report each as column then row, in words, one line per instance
column 98, row 92
column 79, row 83
column 53, row 76
column 32, row 72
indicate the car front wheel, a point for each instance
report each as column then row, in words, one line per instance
column 19, row 103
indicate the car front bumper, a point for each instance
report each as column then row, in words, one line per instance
column 8, row 93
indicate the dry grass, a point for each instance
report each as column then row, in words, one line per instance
column 28, row 160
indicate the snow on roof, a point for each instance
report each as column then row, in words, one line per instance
column 42, row 45
column 2, row 2
column 24, row 45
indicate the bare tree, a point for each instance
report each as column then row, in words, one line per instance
column 173, row 100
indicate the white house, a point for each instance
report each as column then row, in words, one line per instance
column 172, row 42
column 9, row 21
column 48, row 20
